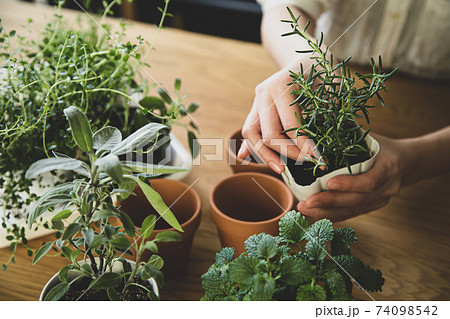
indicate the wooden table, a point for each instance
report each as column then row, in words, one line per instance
column 408, row 239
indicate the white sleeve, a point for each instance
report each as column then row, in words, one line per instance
column 314, row 8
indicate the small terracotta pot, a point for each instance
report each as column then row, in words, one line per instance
column 184, row 202
column 233, row 144
column 245, row 204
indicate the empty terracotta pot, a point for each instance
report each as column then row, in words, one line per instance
column 245, row 204
column 233, row 144
column 185, row 204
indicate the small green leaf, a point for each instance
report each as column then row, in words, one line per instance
column 110, row 164
column 71, row 231
column 150, row 245
column 194, row 145
column 316, row 250
column 106, row 280
column 158, row 204
column 147, row 226
column 112, row 294
column 264, row 288
column 267, row 247
column 311, row 293
column 63, row 273
column 88, row 235
column 42, row 251
column 167, row 236
column 57, row 292
column 62, row 215
column 224, row 256
column 292, row 226
column 151, row 272
column 127, row 223
column 102, row 214
column 295, row 270
column 156, row 261
column 121, row 243
column 140, row 138
column 80, row 128
column 106, row 138
column 321, row 230
column 50, row 164
column 243, row 269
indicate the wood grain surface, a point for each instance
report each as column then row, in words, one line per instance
column 408, row 239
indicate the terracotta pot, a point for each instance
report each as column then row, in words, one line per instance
column 185, row 204
column 233, row 144
column 116, row 267
column 245, row 204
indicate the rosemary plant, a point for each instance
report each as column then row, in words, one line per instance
column 331, row 101
column 83, row 209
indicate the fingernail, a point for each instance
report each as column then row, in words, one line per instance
column 277, row 168
column 334, row 186
column 314, row 204
column 302, row 206
column 241, row 149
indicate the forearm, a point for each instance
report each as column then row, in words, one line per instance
column 426, row 156
column 282, row 49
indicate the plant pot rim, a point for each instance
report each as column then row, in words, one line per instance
column 55, row 277
column 268, row 221
column 232, row 155
column 198, row 203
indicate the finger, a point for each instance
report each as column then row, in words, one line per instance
column 243, row 151
column 254, row 143
column 272, row 130
column 336, row 214
column 342, row 199
column 367, row 182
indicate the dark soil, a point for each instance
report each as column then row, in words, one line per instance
column 303, row 173
column 80, row 288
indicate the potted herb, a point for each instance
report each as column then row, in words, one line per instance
column 82, row 209
column 331, row 100
column 305, row 262
column 73, row 64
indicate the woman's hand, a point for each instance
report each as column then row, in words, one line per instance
column 271, row 114
column 350, row 196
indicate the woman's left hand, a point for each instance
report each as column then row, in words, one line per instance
column 353, row 195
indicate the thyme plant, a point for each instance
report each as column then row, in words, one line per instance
column 64, row 66
column 81, row 66
column 331, row 101
column 296, row 265
column 83, row 209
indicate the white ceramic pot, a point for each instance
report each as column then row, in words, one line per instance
column 320, row 184
column 116, row 267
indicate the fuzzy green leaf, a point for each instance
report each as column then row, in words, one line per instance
column 224, row 257
column 295, row 270
column 59, row 194
column 51, row 164
column 71, row 231
column 106, row 138
column 267, row 247
column 42, row 251
column 321, row 230
column 140, row 138
column 110, row 164
column 316, row 250
column 292, row 226
column 57, row 292
column 80, row 128
column 311, row 293
column 243, row 269
column 264, row 288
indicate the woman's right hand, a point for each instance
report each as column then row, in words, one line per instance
column 271, row 114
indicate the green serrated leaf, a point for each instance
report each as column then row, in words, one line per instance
column 292, row 227
column 321, row 230
column 267, row 247
column 243, row 269
column 295, row 270
column 264, row 287
column 311, row 293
